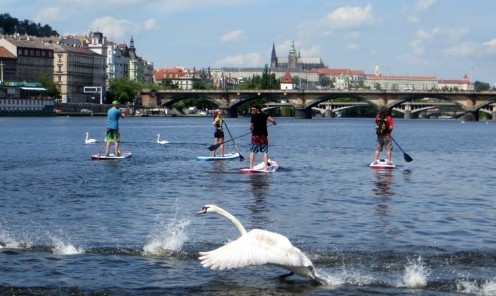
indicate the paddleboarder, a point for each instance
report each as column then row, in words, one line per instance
column 259, row 135
column 219, row 132
column 384, row 126
column 113, row 135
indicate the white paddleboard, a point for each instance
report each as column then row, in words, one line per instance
column 382, row 165
column 125, row 154
column 260, row 168
column 228, row 156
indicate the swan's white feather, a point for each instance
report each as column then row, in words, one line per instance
column 88, row 140
column 161, row 141
column 257, row 247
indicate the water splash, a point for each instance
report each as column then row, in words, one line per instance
column 8, row 241
column 62, row 248
column 169, row 237
column 343, row 277
column 473, row 288
column 415, row 275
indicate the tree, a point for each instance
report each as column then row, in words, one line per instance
column 10, row 25
column 481, row 86
column 124, row 90
column 52, row 88
column 167, row 83
column 268, row 80
column 325, row 81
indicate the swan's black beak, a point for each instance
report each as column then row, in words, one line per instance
column 203, row 210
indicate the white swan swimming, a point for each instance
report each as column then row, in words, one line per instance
column 161, row 141
column 256, row 247
column 88, row 140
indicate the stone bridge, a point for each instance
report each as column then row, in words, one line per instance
column 303, row 100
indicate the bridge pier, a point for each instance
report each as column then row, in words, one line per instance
column 407, row 114
column 303, row 113
column 328, row 113
column 229, row 112
column 471, row 116
column 494, row 115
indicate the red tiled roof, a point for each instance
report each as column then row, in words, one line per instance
column 286, row 78
column 4, row 53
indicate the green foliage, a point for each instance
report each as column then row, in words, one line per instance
column 266, row 81
column 125, row 90
column 481, row 86
column 53, row 89
column 325, row 81
column 10, row 25
column 167, row 83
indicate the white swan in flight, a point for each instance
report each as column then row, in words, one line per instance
column 161, row 141
column 88, row 140
column 256, row 247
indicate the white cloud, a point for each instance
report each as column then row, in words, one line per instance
column 424, row 4
column 151, row 24
column 114, row 28
column 471, row 49
column 50, row 15
column 310, row 52
column 247, row 60
column 353, row 46
column 232, row 36
column 350, row 17
column 184, row 5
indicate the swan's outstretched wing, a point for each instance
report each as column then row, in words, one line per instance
column 257, row 247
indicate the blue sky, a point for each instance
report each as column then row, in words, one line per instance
column 442, row 38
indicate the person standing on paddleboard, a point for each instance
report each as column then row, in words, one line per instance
column 259, row 135
column 384, row 126
column 113, row 135
column 219, row 132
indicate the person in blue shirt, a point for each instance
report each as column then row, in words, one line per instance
column 113, row 135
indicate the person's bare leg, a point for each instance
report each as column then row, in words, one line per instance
column 107, row 147
column 376, row 155
column 266, row 160
column 252, row 158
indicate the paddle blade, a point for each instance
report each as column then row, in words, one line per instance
column 407, row 157
column 213, row 147
column 241, row 158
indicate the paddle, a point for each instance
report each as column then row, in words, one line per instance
column 241, row 158
column 215, row 146
column 407, row 157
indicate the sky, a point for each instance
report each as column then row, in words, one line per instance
column 442, row 38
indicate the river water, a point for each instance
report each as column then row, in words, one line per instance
column 73, row 226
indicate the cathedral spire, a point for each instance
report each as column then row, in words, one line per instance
column 273, row 57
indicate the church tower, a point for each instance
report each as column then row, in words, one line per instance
column 292, row 57
column 273, row 57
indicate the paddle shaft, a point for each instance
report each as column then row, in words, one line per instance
column 241, row 158
column 407, row 157
column 215, row 146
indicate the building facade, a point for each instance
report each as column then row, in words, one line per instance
column 76, row 68
column 32, row 59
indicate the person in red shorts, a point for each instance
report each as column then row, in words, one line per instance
column 259, row 135
column 384, row 127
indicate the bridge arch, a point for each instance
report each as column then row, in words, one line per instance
column 304, row 100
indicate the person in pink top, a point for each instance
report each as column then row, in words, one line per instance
column 384, row 126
